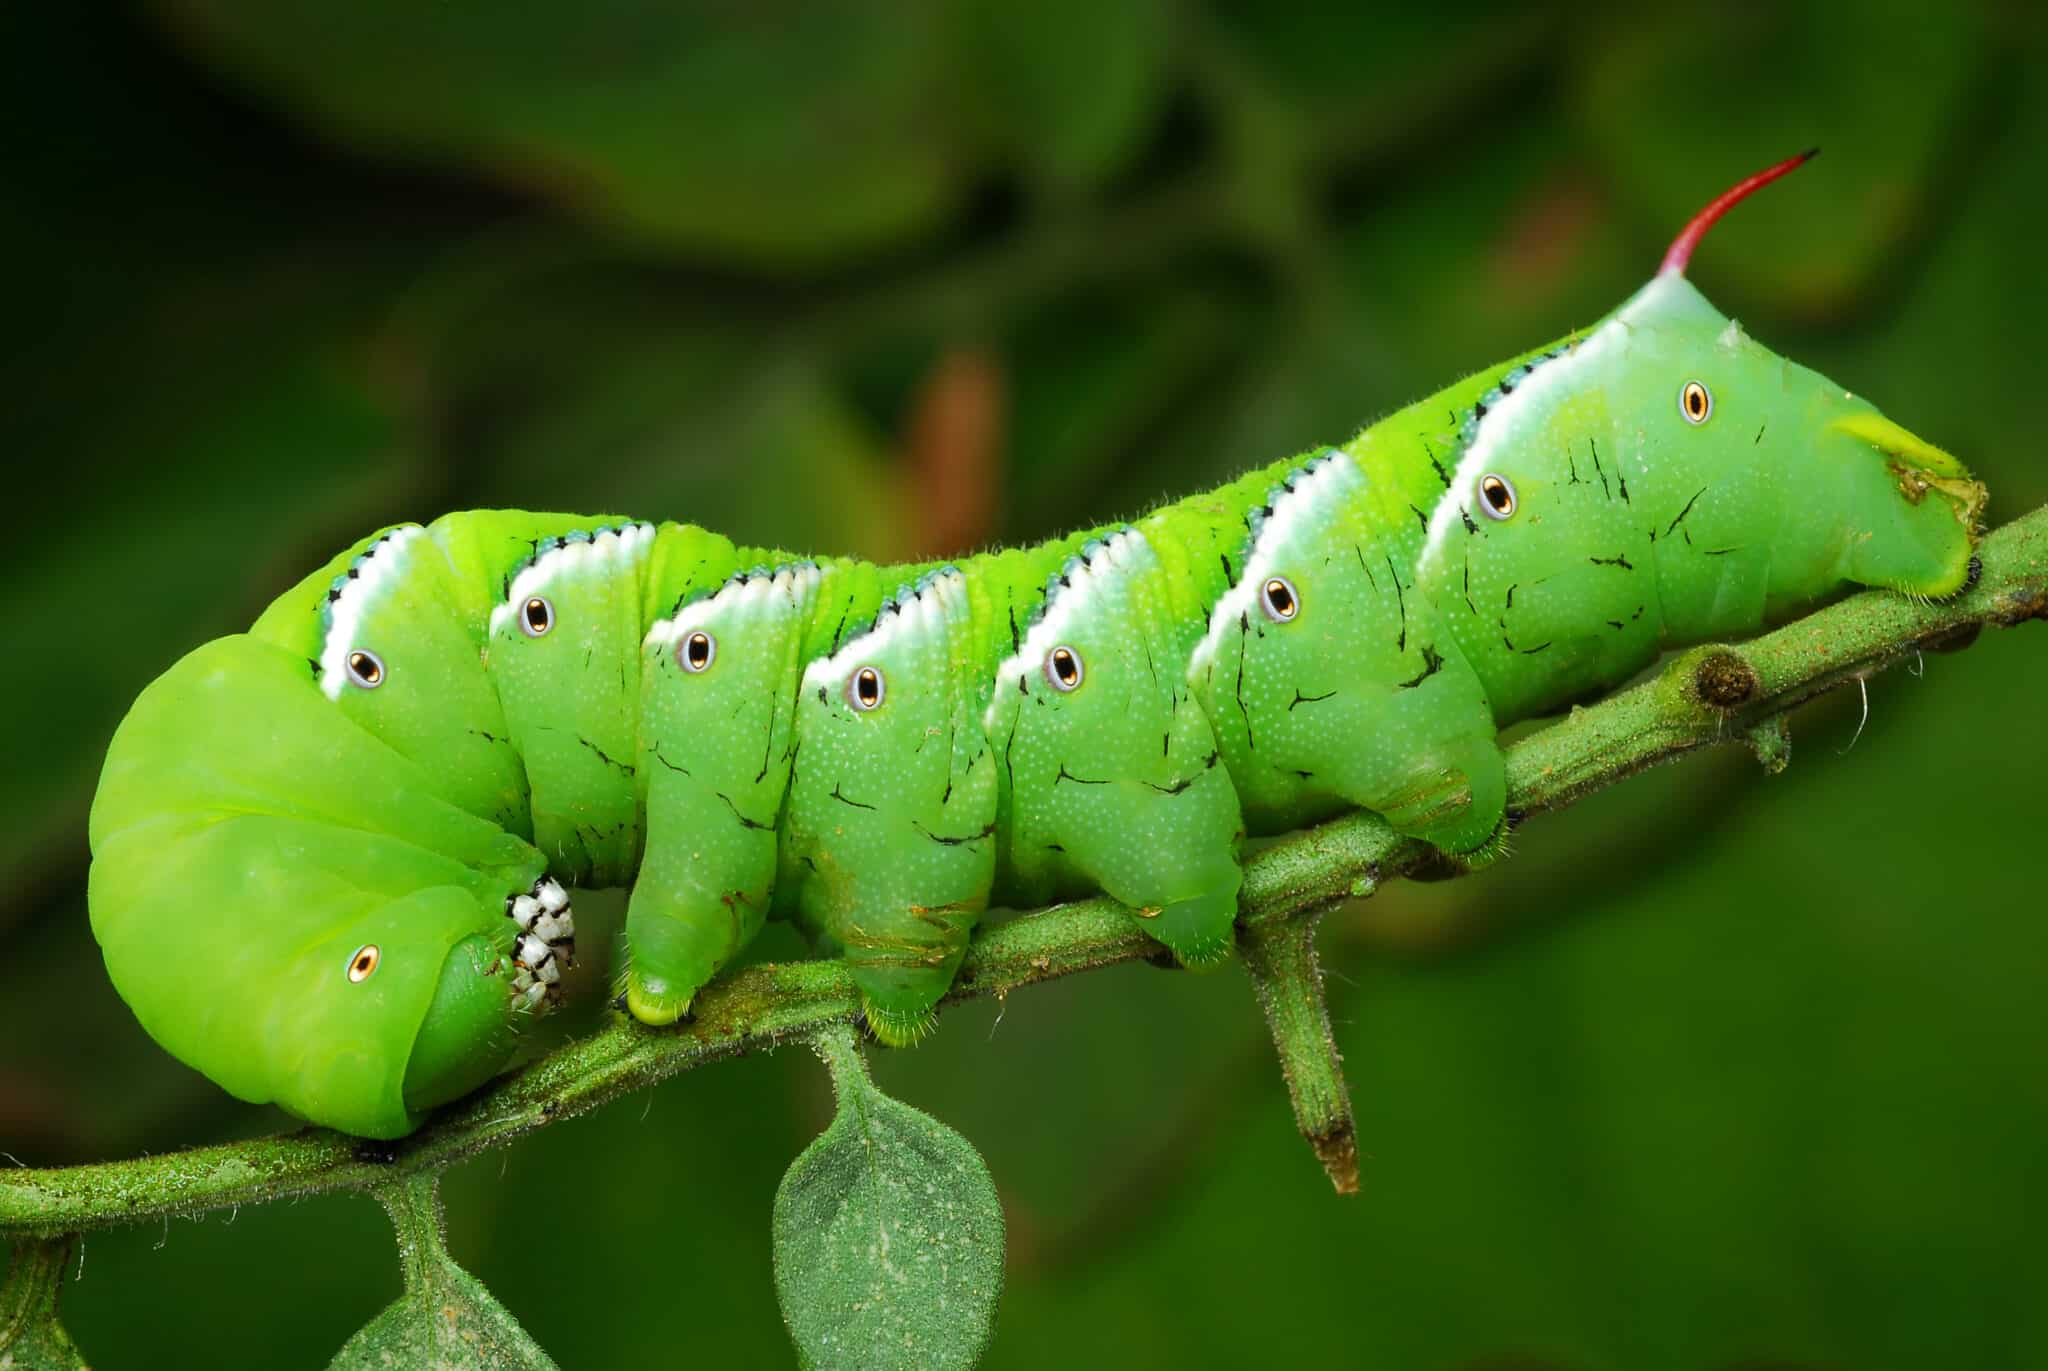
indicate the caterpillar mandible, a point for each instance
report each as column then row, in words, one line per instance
column 332, row 855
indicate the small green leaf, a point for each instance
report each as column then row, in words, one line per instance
column 446, row 1320
column 888, row 1234
column 31, row 1339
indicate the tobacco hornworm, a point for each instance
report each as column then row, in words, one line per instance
column 331, row 855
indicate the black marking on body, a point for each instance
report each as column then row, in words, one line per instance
column 1301, row 699
column 1420, row 517
column 789, row 586
column 594, row 837
column 1176, row 788
column 1758, row 441
column 767, row 743
column 1507, row 641
column 1468, row 586
column 488, row 736
column 1400, row 603
column 1503, row 388
column 952, row 732
column 355, row 566
column 842, row 797
column 943, row 840
column 1432, row 663
column 623, row 768
column 1466, row 515
column 1066, row 775
column 314, row 662
column 1016, row 642
column 1244, row 627
column 1229, row 576
column 1683, row 512
column 1620, row 476
column 1441, row 474
column 745, row 822
column 1572, row 465
column 1599, row 470
column 1620, row 559
column 1720, row 551
column 1370, row 579
column 679, row 770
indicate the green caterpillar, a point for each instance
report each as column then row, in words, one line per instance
column 330, row 854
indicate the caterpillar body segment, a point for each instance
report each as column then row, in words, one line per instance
column 332, row 855
column 717, row 737
column 889, row 841
column 1111, row 773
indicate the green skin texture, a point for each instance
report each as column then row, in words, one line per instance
column 260, row 819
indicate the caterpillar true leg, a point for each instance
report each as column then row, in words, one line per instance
column 546, row 945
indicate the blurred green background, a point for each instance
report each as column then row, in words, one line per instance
column 1720, row 1071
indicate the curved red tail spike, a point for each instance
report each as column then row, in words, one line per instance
column 1680, row 252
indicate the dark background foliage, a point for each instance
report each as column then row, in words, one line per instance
column 1720, row 1071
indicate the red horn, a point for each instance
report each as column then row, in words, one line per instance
column 1680, row 252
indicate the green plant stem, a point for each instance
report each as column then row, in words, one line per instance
column 1281, row 957
column 414, row 1203
column 34, row 1276
column 839, row 1048
column 1703, row 697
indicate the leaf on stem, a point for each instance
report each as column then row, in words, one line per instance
column 888, row 1234
column 446, row 1320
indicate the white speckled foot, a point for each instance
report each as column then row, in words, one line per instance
column 546, row 945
